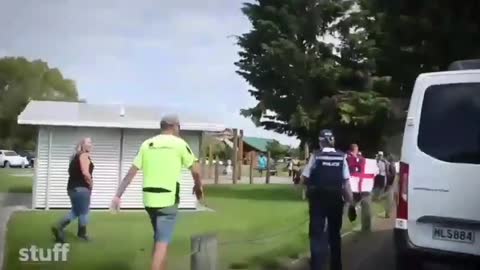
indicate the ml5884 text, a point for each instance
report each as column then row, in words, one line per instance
column 58, row 253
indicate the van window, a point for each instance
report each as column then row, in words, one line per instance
column 450, row 123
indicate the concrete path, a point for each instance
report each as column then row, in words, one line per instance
column 360, row 250
column 10, row 203
column 15, row 199
column 375, row 250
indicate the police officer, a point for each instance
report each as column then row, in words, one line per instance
column 326, row 176
column 161, row 159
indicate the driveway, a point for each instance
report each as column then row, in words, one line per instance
column 15, row 199
column 9, row 203
column 376, row 250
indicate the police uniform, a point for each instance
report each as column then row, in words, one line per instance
column 327, row 173
column 161, row 159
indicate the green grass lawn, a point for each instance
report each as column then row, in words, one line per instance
column 281, row 171
column 273, row 213
column 10, row 182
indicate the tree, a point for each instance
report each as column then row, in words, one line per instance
column 296, row 152
column 220, row 149
column 277, row 150
column 21, row 81
column 418, row 36
column 301, row 82
column 409, row 37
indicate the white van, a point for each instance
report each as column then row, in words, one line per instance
column 438, row 210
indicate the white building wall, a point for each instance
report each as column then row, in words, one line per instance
column 52, row 171
column 132, row 139
column 41, row 164
column 113, row 153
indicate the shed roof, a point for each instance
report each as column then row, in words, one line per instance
column 55, row 113
column 259, row 144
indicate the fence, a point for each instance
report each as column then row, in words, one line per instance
column 219, row 173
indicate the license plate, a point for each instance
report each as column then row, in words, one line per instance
column 456, row 235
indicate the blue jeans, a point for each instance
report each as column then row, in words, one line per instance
column 80, row 200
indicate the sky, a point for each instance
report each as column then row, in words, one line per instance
column 178, row 53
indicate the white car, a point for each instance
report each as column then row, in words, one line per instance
column 10, row 158
column 438, row 215
column 213, row 162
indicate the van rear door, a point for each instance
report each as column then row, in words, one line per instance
column 442, row 149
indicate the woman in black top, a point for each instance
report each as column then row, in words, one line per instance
column 79, row 189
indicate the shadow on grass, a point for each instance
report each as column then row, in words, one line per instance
column 20, row 189
column 255, row 192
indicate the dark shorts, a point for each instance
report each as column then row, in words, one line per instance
column 357, row 196
column 390, row 180
column 379, row 182
column 163, row 222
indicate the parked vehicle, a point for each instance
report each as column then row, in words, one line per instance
column 29, row 155
column 437, row 212
column 207, row 162
column 9, row 158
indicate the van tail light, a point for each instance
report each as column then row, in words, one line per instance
column 402, row 204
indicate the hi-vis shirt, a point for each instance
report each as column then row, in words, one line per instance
column 161, row 159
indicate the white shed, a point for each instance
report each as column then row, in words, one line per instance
column 117, row 132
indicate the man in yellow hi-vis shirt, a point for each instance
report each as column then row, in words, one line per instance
column 161, row 158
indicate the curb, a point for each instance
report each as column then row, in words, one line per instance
column 298, row 263
column 5, row 214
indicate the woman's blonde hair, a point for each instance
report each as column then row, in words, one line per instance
column 79, row 146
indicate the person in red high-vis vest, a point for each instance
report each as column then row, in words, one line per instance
column 356, row 164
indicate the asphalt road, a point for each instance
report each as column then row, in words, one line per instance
column 375, row 251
